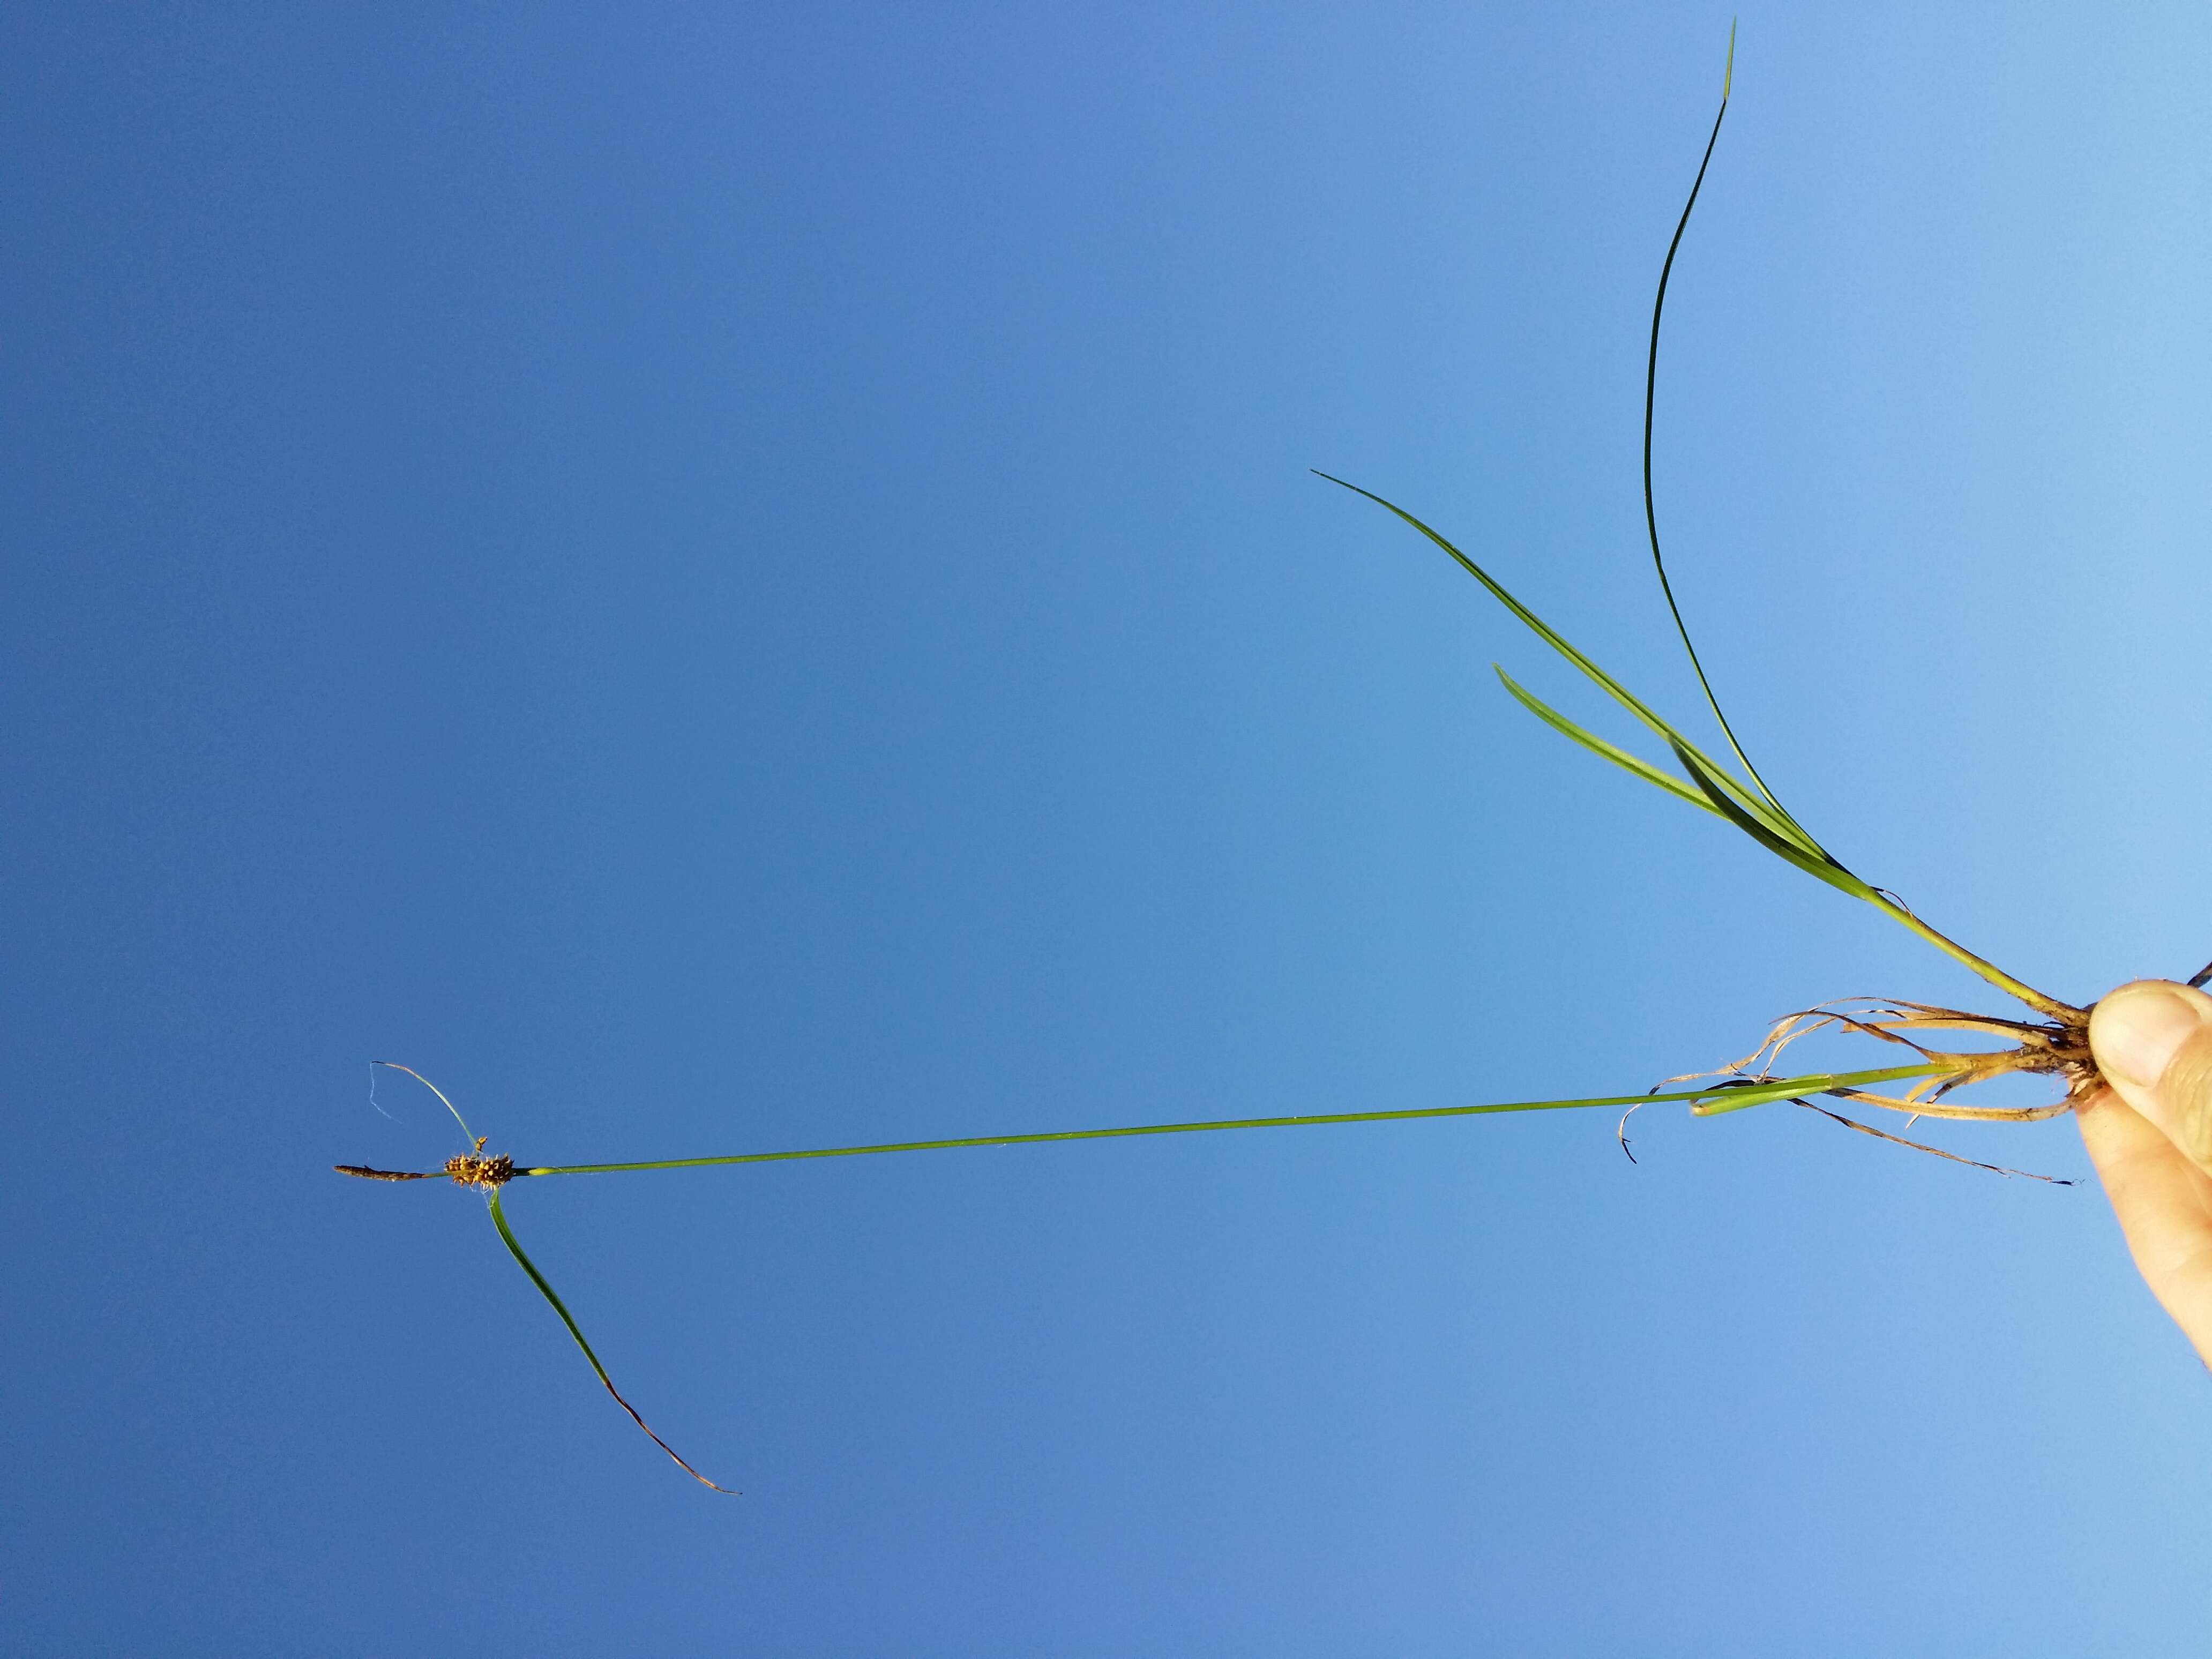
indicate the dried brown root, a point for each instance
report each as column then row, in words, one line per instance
column 1959, row 1114
column 1933, row 1151
column 2056, row 1048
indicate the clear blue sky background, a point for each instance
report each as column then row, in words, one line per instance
column 718, row 578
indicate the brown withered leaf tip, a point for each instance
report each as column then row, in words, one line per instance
column 368, row 1174
column 470, row 1169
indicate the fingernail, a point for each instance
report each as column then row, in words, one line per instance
column 2135, row 1031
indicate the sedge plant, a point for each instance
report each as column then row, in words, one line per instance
column 2050, row 1039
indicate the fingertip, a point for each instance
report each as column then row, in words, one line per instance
column 2135, row 1032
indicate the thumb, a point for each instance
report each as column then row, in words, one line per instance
column 2153, row 1041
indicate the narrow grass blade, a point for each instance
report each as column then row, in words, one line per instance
column 1813, row 861
column 1748, row 808
column 1650, row 401
column 1737, row 1092
column 1735, row 1095
column 1535, row 624
column 514, row 1248
column 1598, row 745
column 1752, row 800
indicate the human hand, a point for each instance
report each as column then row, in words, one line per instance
column 2149, row 1134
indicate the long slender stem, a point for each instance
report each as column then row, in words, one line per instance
column 1736, row 1097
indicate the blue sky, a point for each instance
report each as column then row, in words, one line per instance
column 717, row 579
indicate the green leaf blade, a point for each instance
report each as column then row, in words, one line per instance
column 1613, row 688
column 545, row 1289
column 1599, row 747
column 1808, row 856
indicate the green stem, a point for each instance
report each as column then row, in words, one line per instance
column 1988, row 970
column 1737, row 1098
